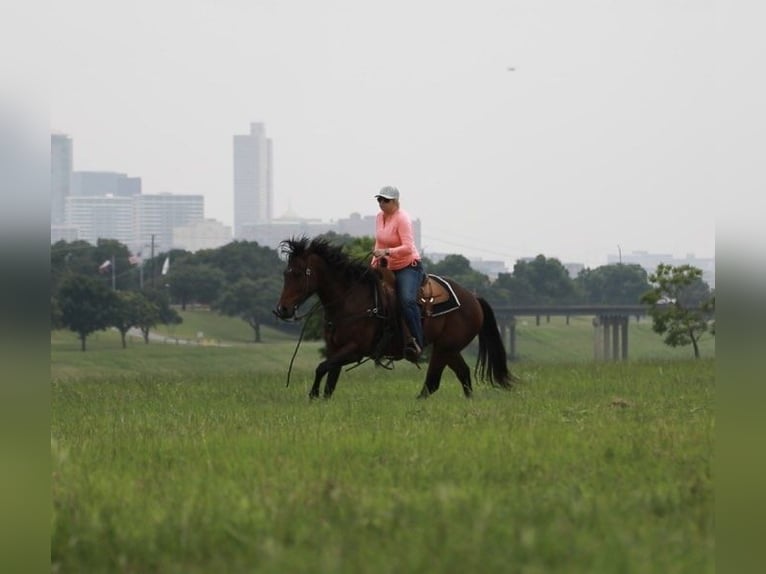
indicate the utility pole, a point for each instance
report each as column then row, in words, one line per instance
column 152, row 260
column 114, row 276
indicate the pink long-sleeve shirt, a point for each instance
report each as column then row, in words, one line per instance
column 394, row 232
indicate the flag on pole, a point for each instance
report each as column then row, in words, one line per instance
column 166, row 266
column 104, row 267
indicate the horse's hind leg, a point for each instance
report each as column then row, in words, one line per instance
column 462, row 372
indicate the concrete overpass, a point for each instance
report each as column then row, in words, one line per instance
column 610, row 325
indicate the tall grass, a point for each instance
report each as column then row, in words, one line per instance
column 211, row 465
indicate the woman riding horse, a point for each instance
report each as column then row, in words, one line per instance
column 355, row 319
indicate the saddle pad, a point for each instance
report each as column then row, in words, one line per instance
column 450, row 304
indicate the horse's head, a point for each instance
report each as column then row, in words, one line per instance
column 299, row 282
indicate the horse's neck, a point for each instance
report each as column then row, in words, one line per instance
column 338, row 297
column 332, row 293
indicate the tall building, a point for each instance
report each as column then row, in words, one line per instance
column 61, row 174
column 158, row 215
column 253, row 196
column 95, row 183
column 207, row 234
column 105, row 217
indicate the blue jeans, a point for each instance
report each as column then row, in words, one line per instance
column 408, row 281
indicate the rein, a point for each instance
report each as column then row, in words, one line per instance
column 300, row 340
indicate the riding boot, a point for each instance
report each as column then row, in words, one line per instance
column 412, row 350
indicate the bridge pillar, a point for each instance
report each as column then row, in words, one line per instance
column 598, row 349
column 610, row 338
column 624, row 322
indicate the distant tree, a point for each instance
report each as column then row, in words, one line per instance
column 153, row 266
column 126, row 313
column 458, row 267
column 70, row 258
column 682, row 306
column 343, row 240
column 541, row 281
column 117, row 254
column 360, row 248
column 613, row 284
column 157, row 310
column 87, row 305
column 239, row 259
column 194, row 283
column 252, row 300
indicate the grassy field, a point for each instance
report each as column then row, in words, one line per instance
column 191, row 459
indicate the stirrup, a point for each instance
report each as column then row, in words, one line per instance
column 412, row 351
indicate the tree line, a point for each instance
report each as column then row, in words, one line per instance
column 95, row 287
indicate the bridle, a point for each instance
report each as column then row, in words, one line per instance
column 305, row 295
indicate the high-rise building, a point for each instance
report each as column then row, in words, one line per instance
column 95, row 183
column 253, row 196
column 158, row 215
column 207, row 234
column 61, row 174
column 105, row 217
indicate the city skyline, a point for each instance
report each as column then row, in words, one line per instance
column 599, row 137
column 96, row 196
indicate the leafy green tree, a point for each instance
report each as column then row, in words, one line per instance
column 240, row 259
column 87, row 305
column 194, row 283
column 117, row 254
column 153, row 266
column 682, row 306
column 252, row 300
column 458, row 267
column 541, row 281
column 360, row 248
column 613, row 284
column 156, row 310
column 131, row 310
column 70, row 258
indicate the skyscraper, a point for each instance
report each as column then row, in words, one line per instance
column 253, row 196
column 61, row 174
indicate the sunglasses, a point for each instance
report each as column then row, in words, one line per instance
column 383, row 200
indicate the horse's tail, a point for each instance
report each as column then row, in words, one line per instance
column 492, row 363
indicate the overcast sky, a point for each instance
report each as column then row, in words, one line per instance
column 511, row 128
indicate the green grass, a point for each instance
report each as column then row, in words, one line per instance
column 220, row 328
column 188, row 459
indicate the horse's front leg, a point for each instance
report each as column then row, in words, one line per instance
column 332, row 378
column 321, row 370
column 331, row 367
column 332, row 370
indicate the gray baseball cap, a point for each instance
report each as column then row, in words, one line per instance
column 388, row 192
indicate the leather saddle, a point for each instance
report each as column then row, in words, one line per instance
column 435, row 296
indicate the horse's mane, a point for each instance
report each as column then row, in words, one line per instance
column 351, row 270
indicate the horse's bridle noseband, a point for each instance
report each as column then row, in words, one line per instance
column 306, row 294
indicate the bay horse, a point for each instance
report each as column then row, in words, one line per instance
column 362, row 319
